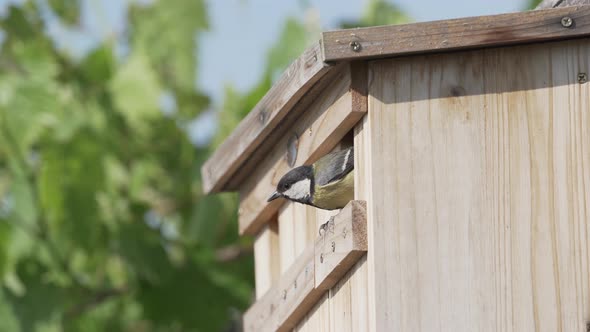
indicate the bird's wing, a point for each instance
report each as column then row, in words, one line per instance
column 333, row 166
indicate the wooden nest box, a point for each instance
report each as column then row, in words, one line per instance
column 472, row 179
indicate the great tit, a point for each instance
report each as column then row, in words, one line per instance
column 327, row 184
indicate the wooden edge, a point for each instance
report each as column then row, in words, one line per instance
column 283, row 306
column 455, row 34
column 324, row 123
column 341, row 245
column 299, row 78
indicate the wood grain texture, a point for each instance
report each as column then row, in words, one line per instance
column 561, row 3
column 283, row 305
column 318, row 318
column 323, row 124
column 472, row 32
column 341, row 245
column 478, row 186
column 298, row 229
column 297, row 80
column 266, row 258
column 346, row 306
column 293, row 298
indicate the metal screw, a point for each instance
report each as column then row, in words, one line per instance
column 567, row 21
column 344, row 232
column 355, row 46
column 284, row 294
column 321, row 258
column 295, row 284
column 582, row 78
column 333, row 246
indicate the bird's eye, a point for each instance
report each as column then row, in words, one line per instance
column 287, row 186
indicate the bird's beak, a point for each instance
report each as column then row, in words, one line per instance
column 274, row 196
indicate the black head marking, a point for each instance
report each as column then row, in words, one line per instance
column 295, row 175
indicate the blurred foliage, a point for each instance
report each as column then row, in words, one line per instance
column 102, row 222
column 531, row 4
column 378, row 12
column 103, row 225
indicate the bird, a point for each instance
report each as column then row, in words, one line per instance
column 327, row 184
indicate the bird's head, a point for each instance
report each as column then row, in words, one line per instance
column 296, row 185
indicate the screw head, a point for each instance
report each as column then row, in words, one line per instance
column 284, row 294
column 333, row 246
column 355, row 46
column 321, row 258
column 567, row 21
column 582, row 78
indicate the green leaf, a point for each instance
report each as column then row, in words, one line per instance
column 378, row 12
column 67, row 10
column 532, row 4
column 27, row 109
column 70, row 176
column 142, row 250
column 8, row 320
column 98, row 66
column 136, row 92
column 204, row 308
column 168, row 29
column 42, row 302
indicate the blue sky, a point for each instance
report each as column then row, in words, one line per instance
column 243, row 30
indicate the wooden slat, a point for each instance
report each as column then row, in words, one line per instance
column 297, row 80
column 266, row 258
column 285, row 304
column 346, row 305
column 343, row 242
column 479, row 189
column 298, row 229
column 321, row 127
column 463, row 33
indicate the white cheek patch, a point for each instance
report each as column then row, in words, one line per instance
column 299, row 190
column 346, row 159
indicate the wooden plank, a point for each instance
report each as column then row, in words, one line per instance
column 341, row 245
column 478, row 186
column 321, row 127
column 266, row 258
column 298, row 229
column 285, row 304
column 318, row 318
column 296, row 81
column 356, row 295
column 447, row 35
column 561, row 3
